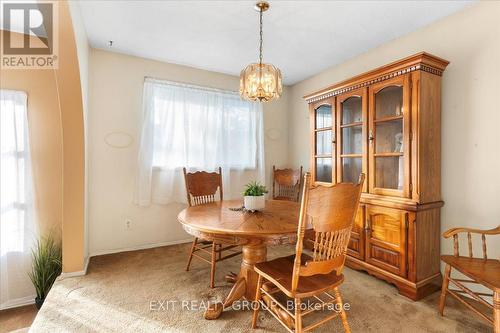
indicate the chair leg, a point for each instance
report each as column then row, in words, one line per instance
column 220, row 252
column 444, row 288
column 257, row 305
column 298, row 316
column 212, row 270
column 193, row 247
column 343, row 315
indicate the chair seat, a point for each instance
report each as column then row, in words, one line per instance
column 486, row 272
column 279, row 272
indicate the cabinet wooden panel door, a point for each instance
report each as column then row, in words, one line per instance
column 352, row 123
column 356, row 246
column 323, row 141
column 386, row 238
column 389, row 137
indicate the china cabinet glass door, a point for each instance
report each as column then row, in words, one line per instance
column 324, row 139
column 351, row 131
column 389, row 137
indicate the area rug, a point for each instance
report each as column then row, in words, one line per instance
column 150, row 291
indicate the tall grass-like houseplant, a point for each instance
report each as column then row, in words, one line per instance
column 254, row 196
column 46, row 266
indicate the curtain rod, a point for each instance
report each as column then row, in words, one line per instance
column 188, row 85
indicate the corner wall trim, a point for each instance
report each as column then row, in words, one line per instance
column 139, row 247
column 77, row 273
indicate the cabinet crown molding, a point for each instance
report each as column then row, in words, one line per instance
column 422, row 61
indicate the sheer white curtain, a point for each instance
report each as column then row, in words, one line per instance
column 17, row 227
column 201, row 129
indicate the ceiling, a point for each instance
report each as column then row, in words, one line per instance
column 302, row 38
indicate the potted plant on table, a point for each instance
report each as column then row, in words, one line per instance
column 46, row 266
column 254, row 196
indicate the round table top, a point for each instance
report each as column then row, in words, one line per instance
column 277, row 218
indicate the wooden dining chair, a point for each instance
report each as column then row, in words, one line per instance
column 201, row 188
column 330, row 211
column 286, row 184
column 482, row 271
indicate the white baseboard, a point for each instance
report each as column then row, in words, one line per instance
column 77, row 273
column 28, row 300
column 140, row 247
column 123, row 249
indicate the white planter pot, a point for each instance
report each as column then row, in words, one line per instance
column 254, row 203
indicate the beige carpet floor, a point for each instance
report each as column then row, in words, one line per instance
column 122, row 293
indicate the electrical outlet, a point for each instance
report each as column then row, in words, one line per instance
column 128, row 224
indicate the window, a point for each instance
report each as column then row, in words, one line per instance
column 16, row 220
column 192, row 127
column 198, row 128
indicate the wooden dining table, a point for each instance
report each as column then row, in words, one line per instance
column 276, row 224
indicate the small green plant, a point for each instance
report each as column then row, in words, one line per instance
column 254, row 189
column 46, row 266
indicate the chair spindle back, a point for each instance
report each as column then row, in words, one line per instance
column 456, row 231
column 201, row 186
column 286, row 184
column 331, row 211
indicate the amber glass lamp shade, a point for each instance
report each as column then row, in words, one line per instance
column 260, row 82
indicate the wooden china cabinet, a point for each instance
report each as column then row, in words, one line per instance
column 386, row 123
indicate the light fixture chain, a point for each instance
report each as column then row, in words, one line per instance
column 261, row 38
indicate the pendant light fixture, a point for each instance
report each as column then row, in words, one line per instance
column 260, row 81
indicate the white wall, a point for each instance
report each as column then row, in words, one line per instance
column 115, row 100
column 470, row 40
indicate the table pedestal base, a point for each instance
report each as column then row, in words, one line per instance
column 246, row 281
